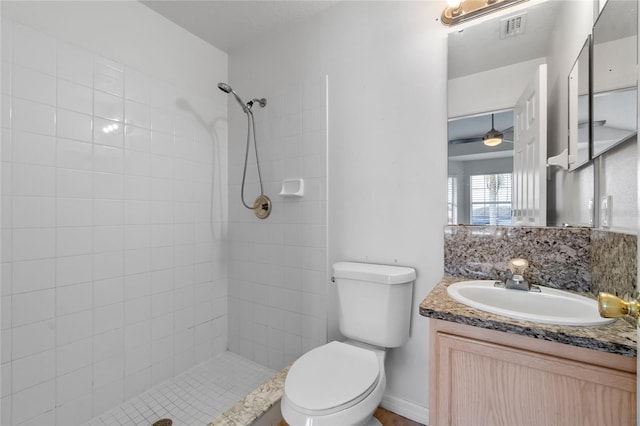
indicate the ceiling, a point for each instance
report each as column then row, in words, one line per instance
column 229, row 24
column 478, row 47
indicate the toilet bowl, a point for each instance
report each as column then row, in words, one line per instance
column 340, row 383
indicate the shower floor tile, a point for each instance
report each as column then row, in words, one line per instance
column 194, row 397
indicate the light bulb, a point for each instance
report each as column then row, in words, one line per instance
column 492, row 141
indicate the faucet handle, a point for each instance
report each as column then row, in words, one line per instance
column 611, row 306
column 518, row 265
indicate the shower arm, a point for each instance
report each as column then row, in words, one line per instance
column 262, row 102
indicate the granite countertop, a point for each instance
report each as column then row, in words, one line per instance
column 258, row 402
column 618, row 337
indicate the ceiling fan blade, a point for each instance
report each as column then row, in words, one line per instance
column 465, row 140
column 507, row 137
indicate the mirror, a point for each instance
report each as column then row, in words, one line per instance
column 489, row 68
column 615, row 38
column 580, row 109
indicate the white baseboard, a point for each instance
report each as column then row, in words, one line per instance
column 407, row 409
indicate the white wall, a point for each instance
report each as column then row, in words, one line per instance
column 386, row 65
column 615, row 67
column 618, row 178
column 113, row 30
column 493, row 90
column 113, row 259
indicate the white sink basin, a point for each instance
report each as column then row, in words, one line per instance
column 550, row 306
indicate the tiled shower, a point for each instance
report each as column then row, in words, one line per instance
column 278, row 279
column 127, row 256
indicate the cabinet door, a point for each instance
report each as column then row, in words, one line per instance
column 480, row 383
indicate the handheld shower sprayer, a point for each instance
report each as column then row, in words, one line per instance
column 262, row 205
column 246, row 107
column 227, row 89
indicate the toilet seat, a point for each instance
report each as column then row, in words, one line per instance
column 331, row 378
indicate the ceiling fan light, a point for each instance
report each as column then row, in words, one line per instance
column 492, row 141
column 492, row 137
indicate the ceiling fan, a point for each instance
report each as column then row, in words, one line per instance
column 492, row 137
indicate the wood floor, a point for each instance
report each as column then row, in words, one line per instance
column 387, row 418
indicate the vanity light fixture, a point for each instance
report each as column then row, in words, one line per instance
column 454, row 7
column 458, row 11
column 492, row 137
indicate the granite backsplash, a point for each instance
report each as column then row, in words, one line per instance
column 580, row 259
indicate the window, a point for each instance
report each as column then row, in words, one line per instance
column 452, row 200
column 491, row 199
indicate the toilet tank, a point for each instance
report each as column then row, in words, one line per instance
column 374, row 302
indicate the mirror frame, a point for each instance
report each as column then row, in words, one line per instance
column 574, row 84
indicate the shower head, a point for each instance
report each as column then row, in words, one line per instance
column 227, row 89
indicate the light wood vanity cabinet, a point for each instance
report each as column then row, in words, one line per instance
column 485, row 377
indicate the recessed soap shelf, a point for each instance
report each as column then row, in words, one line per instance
column 293, row 188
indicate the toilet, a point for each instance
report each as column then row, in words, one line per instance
column 342, row 383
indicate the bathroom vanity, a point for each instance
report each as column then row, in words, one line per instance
column 492, row 370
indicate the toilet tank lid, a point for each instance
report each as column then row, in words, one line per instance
column 385, row 274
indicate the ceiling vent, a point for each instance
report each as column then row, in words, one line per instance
column 512, row 26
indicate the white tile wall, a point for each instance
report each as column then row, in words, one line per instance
column 278, row 272
column 109, row 279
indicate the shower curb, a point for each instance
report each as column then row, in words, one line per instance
column 259, row 404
